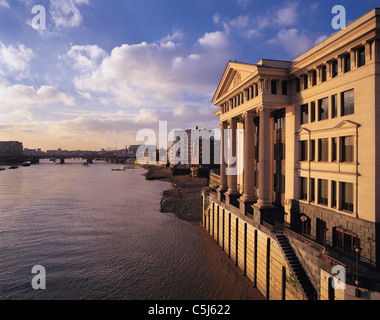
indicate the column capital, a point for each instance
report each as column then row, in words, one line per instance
column 232, row 120
column 263, row 108
column 248, row 114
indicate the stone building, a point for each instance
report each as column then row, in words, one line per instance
column 309, row 158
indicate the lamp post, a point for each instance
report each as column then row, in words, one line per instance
column 303, row 219
column 357, row 291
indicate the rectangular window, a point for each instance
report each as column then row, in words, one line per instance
column 323, row 109
column 298, row 85
column 347, row 62
column 303, row 188
column 333, row 194
column 274, row 86
column 303, row 151
column 305, row 114
column 305, row 82
column 312, row 111
column 334, row 106
column 323, row 192
column 347, row 144
column 334, row 66
column 361, row 57
column 323, row 150
column 347, row 192
column 324, row 73
column 314, row 75
column 348, row 102
column 284, row 88
column 312, row 190
column 334, row 150
column 312, row 150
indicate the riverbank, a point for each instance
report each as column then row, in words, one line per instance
column 184, row 197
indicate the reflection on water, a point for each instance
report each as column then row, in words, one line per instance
column 100, row 235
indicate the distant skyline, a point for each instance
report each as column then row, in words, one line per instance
column 101, row 71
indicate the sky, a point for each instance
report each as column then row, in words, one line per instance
column 101, row 71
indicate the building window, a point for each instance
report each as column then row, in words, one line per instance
column 284, row 88
column 274, row 86
column 347, row 62
column 323, row 109
column 323, row 192
column 314, row 77
column 324, row 73
column 304, row 114
column 312, row 111
column 279, row 119
column 305, row 82
column 298, row 85
column 348, row 103
column 347, row 194
column 334, row 66
column 323, row 145
column 334, row 106
column 303, row 188
column 334, row 150
column 333, row 194
column 347, row 144
column 361, row 57
column 345, row 240
column 312, row 150
column 312, row 190
column 303, row 151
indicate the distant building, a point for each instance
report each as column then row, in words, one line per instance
column 11, row 148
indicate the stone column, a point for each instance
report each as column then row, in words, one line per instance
column 232, row 178
column 223, row 178
column 249, row 156
column 265, row 158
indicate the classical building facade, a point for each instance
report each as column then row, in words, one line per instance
column 308, row 154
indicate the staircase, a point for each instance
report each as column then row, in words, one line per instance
column 297, row 268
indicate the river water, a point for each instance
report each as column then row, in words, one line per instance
column 99, row 234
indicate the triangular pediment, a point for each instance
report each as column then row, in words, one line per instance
column 347, row 124
column 235, row 75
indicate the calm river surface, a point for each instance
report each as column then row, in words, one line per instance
column 100, row 235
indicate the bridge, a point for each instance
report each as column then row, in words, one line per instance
column 90, row 157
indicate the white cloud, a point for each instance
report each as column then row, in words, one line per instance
column 85, row 58
column 4, row 4
column 287, row 15
column 65, row 13
column 14, row 59
column 156, row 74
column 22, row 97
column 293, row 41
column 215, row 39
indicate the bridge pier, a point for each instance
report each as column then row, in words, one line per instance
column 89, row 160
column 62, row 160
column 34, row 160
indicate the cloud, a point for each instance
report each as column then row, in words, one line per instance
column 293, row 41
column 288, row 14
column 4, row 4
column 14, row 59
column 154, row 74
column 65, row 13
column 85, row 58
column 22, row 97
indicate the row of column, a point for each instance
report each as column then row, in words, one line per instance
column 228, row 183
